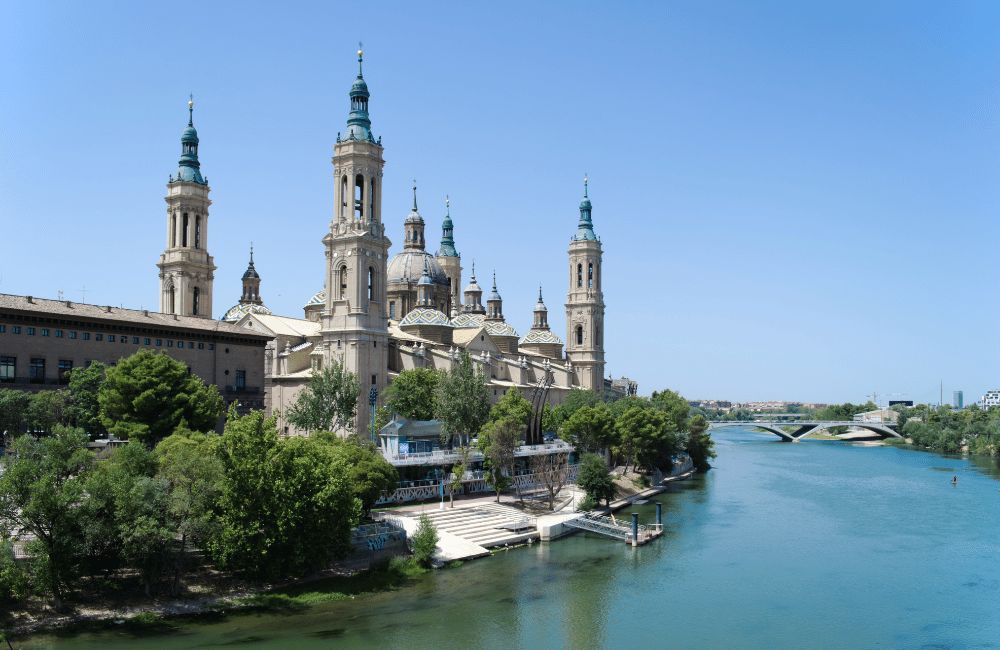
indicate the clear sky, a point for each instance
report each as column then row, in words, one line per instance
column 797, row 200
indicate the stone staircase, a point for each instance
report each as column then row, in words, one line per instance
column 485, row 524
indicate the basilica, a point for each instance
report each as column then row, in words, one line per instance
column 377, row 313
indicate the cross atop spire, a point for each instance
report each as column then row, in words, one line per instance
column 586, row 181
column 414, row 195
column 191, row 109
column 361, row 56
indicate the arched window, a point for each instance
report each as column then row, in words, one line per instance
column 343, row 197
column 171, row 309
column 371, row 200
column 197, row 231
column 579, row 275
column 184, row 232
column 371, row 284
column 173, row 230
column 195, row 301
column 579, row 334
column 590, row 275
column 343, row 283
column 359, row 196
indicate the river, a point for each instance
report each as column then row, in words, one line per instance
column 819, row 544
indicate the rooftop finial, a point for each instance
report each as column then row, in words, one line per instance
column 361, row 56
column 586, row 180
column 473, row 270
column 191, row 109
column 494, row 279
column 539, row 293
column 447, row 205
column 251, row 253
column 414, row 195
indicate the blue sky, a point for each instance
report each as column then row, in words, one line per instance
column 797, row 200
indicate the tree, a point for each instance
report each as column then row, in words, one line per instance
column 412, row 393
column 369, row 473
column 552, row 471
column 47, row 409
column 84, row 408
column 286, row 507
column 675, row 407
column 14, row 405
column 590, row 428
column 458, row 471
column 575, row 399
column 41, row 494
column 329, row 402
column 147, row 395
column 700, row 446
column 595, row 479
column 497, row 441
column 512, row 406
column 463, row 401
column 424, row 541
column 189, row 462
column 550, row 423
column 648, row 437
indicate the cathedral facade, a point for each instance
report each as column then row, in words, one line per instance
column 380, row 314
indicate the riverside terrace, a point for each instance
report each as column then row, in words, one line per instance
column 414, row 448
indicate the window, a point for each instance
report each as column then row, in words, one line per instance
column 31, row 331
column 241, row 379
column 135, row 340
column 72, row 334
column 111, row 338
column 45, row 331
column 170, row 343
column 3, row 328
column 65, row 365
column 85, row 336
column 170, row 298
column 374, row 379
column 195, row 301
column 371, row 201
column 59, row 334
column 590, row 275
column 145, row 341
column 579, row 334
column 36, row 371
column 201, row 346
column 197, row 231
column 184, row 232
column 359, row 197
column 392, row 309
column 579, row 275
column 180, row 344
column 159, row 342
column 173, row 230
column 343, row 283
column 371, row 283
column 190, row 345
column 343, row 197
column 123, row 339
column 8, row 365
column 211, row 346
column 16, row 329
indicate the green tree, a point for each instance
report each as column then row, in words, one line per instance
column 287, row 507
column 700, row 446
column 189, row 462
column 14, row 405
column 413, row 393
column 648, row 437
column 47, row 409
column 41, row 493
column 424, row 541
column 458, row 471
column 84, row 408
column 370, row 474
column 147, row 395
column 595, row 480
column 463, row 401
column 675, row 407
column 575, row 399
column 497, row 441
column 512, row 406
column 550, row 423
column 329, row 402
column 14, row 583
column 590, row 428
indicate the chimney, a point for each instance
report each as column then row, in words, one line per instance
column 107, row 309
column 69, row 303
column 145, row 312
column 30, row 299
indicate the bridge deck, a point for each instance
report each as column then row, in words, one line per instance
column 611, row 527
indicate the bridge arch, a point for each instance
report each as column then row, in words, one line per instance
column 803, row 429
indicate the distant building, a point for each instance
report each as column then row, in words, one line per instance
column 991, row 398
column 878, row 416
column 901, row 402
column 958, row 399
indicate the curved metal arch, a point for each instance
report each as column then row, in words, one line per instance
column 874, row 427
column 781, row 433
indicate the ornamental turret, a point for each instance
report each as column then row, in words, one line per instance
column 450, row 261
column 250, row 302
column 474, row 295
column 494, row 304
column 413, row 226
column 540, row 340
column 541, row 320
column 187, row 271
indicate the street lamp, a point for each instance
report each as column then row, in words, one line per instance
column 372, row 398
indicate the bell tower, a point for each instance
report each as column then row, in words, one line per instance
column 354, row 325
column 585, row 302
column 451, row 261
column 186, row 269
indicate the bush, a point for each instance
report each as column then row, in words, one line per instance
column 424, row 541
column 14, row 583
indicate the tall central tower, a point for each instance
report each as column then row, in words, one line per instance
column 187, row 270
column 354, row 326
column 585, row 302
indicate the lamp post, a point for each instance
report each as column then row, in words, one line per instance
column 372, row 398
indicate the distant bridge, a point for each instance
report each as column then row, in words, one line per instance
column 802, row 429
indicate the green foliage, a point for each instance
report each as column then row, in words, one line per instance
column 458, row 472
column 382, row 417
column 413, row 393
column 595, row 480
column 41, row 493
column 84, row 408
column 590, row 428
column 48, row 408
column 463, row 401
column 424, row 541
column 329, row 402
column 549, row 420
column 14, row 405
column 700, row 445
column 147, row 395
column 512, row 406
column 952, row 430
column 286, row 507
column 575, row 399
column 369, row 473
column 648, row 437
column 845, row 411
column 498, row 440
column 14, row 582
column 675, row 407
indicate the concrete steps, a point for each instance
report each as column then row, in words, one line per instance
column 482, row 524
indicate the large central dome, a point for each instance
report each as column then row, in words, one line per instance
column 408, row 266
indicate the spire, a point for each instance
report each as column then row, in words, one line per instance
column 413, row 226
column 585, row 229
column 447, row 233
column 494, row 304
column 251, row 283
column 414, row 195
column 473, row 295
column 359, row 124
column 541, row 313
column 189, row 168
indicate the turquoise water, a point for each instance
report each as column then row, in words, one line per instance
column 816, row 544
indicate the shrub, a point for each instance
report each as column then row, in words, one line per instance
column 424, row 541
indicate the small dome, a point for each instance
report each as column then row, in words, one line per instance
column 425, row 316
column 251, row 272
column 585, row 204
column 425, row 279
column 541, row 336
column 500, row 328
column 238, row 311
column 467, row 321
column 494, row 295
column 473, row 287
column 359, row 87
column 190, row 135
column 319, row 298
column 408, row 266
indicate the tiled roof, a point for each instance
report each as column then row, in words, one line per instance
column 425, row 316
column 241, row 309
column 541, row 336
column 499, row 328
